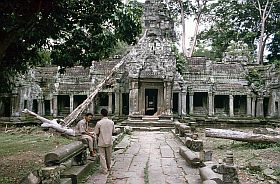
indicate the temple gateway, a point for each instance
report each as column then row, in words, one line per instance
column 148, row 84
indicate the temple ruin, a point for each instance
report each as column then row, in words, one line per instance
column 149, row 85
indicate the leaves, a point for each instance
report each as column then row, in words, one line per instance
column 76, row 32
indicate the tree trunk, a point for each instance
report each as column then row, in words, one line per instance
column 241, row 136
column 184, row 28
column 261, row 44
column 76, row 112
column 195, row 36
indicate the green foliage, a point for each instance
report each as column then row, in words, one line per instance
column 181, row 60
column 76, row 31
column 236, row 20
column 146, row 172
column 256, row 146
column 203, row 49
column 255, row 77
column 274, row 47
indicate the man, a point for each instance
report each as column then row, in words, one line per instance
column 104, row 130
column 82, row 129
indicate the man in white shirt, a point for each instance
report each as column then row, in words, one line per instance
column 104, row 130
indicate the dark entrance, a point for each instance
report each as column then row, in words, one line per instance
column 151, row 101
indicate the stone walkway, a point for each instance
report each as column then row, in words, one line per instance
column 148, row 158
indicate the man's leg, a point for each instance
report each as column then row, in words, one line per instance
column 102, row 156
column 90, row 144
column 95, row 144
column 108, row 157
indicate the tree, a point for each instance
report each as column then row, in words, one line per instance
column 76, row 32
column 198, row 11
column 264, row 9
column 250, row 21
column 181, row 9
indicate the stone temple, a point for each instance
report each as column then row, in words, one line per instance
column 148, row 84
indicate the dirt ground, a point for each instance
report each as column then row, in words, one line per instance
column 254, row 161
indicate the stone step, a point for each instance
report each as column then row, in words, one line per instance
column 66, row 181
column 150, row 118
column 148, row 124
column 76, row 173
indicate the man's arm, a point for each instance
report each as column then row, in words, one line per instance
column 96, row 129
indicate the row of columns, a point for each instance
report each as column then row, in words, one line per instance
column 254, row 105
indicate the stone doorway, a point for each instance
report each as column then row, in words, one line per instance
column 151, row 96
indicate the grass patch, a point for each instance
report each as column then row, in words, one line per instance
column 146, row 172
column 256, row 146
column 22, row 153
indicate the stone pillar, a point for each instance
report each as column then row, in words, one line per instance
column 91, row 106
column 71, row 102
column 51, row 106
column 249, row 105
column 13, row 105
column 55, row 106
column 184, row 102
column 167, row 97
column 133, row 97
column 231, row 114
column 40, row 106
column 180, row 103
column 259, row 109
column 253, row 106
column 210, row 103
column 272, row 107
column 117, row 103
column 191, row 93
column 110, row 103
column 121, row 104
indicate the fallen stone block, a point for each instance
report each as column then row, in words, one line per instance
column 206, row 173
column 191, row 157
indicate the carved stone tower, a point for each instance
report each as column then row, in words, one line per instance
column 152, row 66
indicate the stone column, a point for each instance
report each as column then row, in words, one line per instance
column 133, row 97
column 270, row 107
column 259, row 109
column 91, row 105
column 167, row 97
column 231, row 114
column 121, row 104
column 273, row 112
column 55, row 106
column 210, row 103
column 110, row 103
column 180, row 103
column 117, row 102
column 51, row 106
column 191, row 93
column 249, row 105
column 71, row 102
column 184, row 102
column 13, row 102
column 40, row 106
column 253, row 106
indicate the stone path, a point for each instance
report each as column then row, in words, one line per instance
column 148, row 158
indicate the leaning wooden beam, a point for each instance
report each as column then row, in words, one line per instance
column 76, row 112
column 241, row 136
